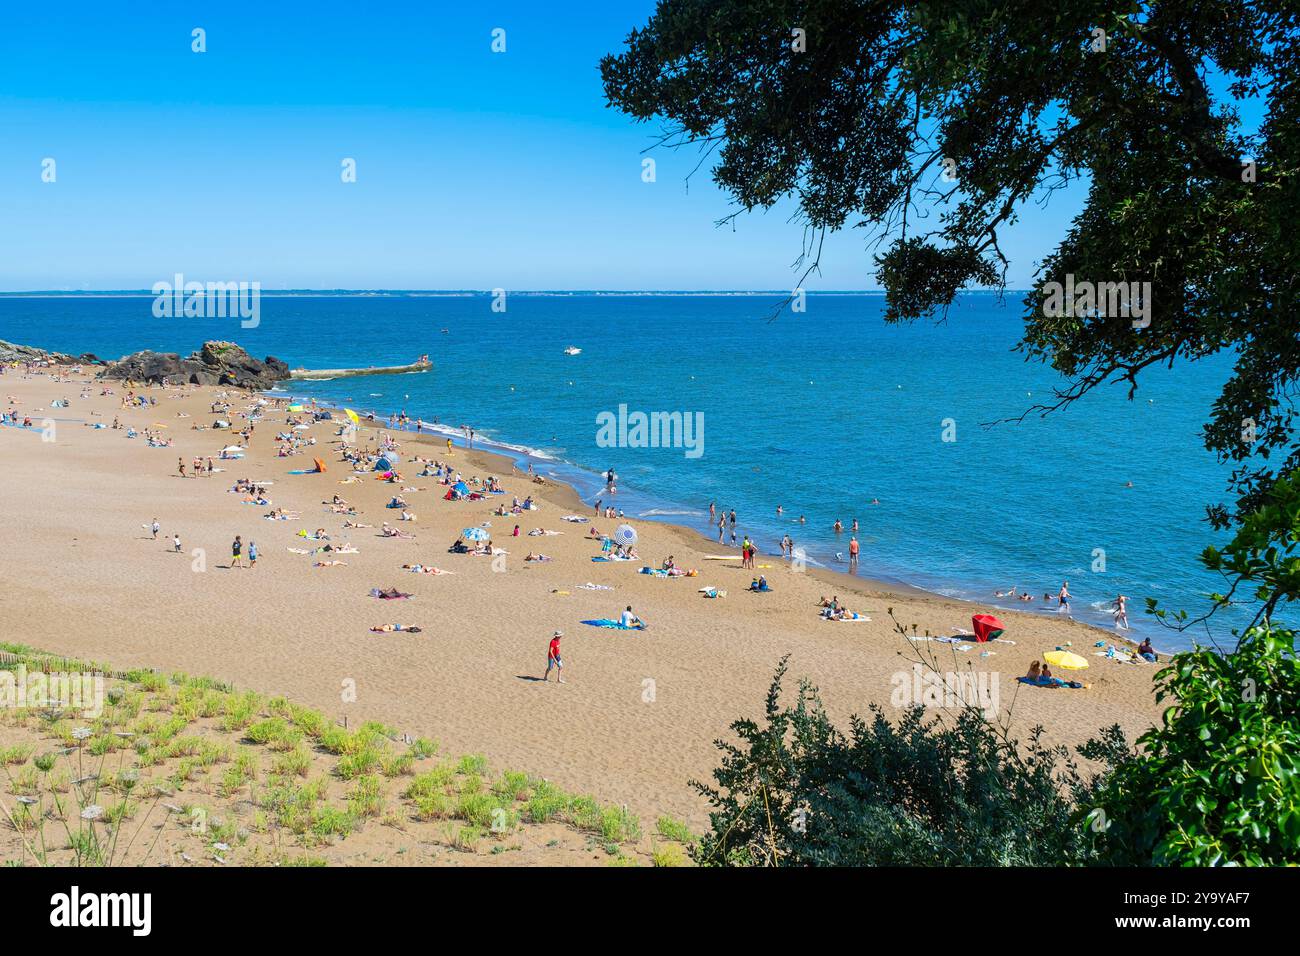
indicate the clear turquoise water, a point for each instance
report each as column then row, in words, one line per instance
column 820, row 412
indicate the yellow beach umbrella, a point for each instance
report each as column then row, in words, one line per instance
column 1070, row 661
column 352, row 416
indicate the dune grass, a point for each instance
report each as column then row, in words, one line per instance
column 185, row 756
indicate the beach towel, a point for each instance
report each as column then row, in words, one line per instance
column 596, row 587
column 599, row 558
column 847, row 620
column 1051, row 683
column 610, row 624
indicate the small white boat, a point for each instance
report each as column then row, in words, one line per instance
column 572, row 350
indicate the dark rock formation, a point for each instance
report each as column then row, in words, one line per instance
column 9, row 352
column 217, row 363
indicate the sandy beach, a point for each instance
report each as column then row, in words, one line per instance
column 636, row 720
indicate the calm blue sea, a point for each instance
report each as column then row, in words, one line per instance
column 821, row 413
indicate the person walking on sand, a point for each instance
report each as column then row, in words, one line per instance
column 236, row 553
column 553, row 659
column 252, row 554
column 176, row 543
column 853, row 554
column 155, row 528
column 180, row 466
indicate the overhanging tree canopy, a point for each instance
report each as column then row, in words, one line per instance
column 932, row 122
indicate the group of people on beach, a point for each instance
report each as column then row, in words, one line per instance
column 198, row 467
column 726, row 521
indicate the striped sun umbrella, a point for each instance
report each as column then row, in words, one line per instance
column 475, row 534
column 625, row 535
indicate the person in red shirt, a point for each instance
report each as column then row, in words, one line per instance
column 553, row 658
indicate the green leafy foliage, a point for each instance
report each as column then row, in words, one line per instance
column 1218, row 783
column 797, row 792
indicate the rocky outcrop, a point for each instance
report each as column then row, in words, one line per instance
column 9, row 352
column 217, row 363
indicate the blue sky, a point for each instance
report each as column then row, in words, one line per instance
column 474, row 169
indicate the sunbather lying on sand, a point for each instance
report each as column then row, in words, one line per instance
column 537, row 557
column 388, row 594
column 386, row 628
column 424, row 569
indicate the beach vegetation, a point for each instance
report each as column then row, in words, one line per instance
column 671, row 828
column 669, row 854
column 473, row 764
column 546, row 803
column 794, row 790
column 423, row 748
column 367, row 797
column 398, row 765
column 88, row 782
column 292, row 763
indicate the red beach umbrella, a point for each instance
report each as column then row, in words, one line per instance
column 987, row 627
